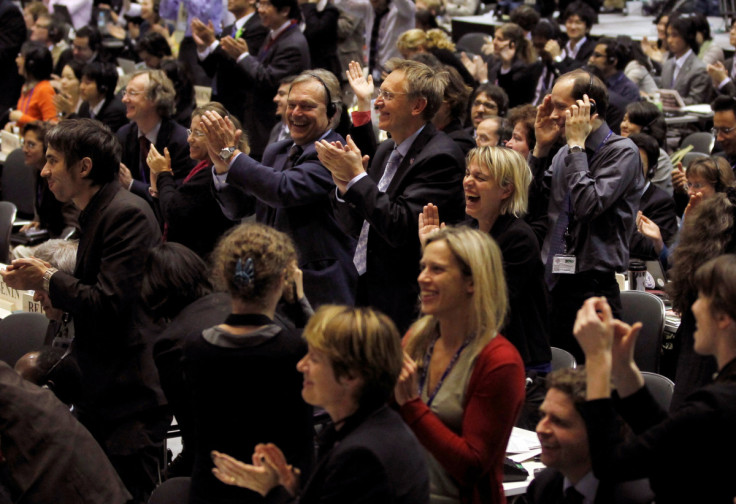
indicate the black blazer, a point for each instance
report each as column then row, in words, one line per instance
column 260, row 74
column 519, row 82
column 460, row 136
column 112, row 113
column 581, row 58
column 321, row 33
column 546, row 488
column 431, row 172
column 659, row 207
column 297, row 202
column 172, row 136
column 12, row 36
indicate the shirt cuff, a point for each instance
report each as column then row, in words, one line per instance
column 208, row 50
column 242, row 57
column 361, row 117
column 724, row 82
column 220, row 179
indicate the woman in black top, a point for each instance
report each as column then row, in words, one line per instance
column 511, row 65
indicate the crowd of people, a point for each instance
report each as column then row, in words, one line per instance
column 343, row 273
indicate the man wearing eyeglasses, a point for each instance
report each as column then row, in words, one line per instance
column 380, row 206
column 724, row 126
column 149, row 105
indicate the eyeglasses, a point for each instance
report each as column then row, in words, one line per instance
column 387, row 95
column 196, row 133
column 697, row 186
column 131, row 93
column 725, row 131
column 485, row 104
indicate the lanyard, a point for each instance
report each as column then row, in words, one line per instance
column 448, row 369
column 27, row 100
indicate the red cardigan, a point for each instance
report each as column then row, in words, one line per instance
column 492, row 403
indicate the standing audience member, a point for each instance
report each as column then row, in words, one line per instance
column 579, row 18
column 36, row 102
column 280, row 130
column 14, row 34
column 488, row 133
column 544, row 41
column 609, row 58
column 149, row 105
column 669, row 449
column 488, row 100
column 511, row 66
column 121, row 403
column 320, row 29
column 462, row 383
column 379, row 206
column 366, row 454
column 291, row 189
column 451, row 115
column 593, row 185
column 521, row 119
column 566, row 451
column 683, row 71
column 437, row 43
column 97, row 89
column 49, row 30
column 391, row 18
column 188, row 211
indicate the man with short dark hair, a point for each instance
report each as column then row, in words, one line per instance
column 566, row 453
column 579, row 18
column 724, row 129
column 121, row 401
column 608, row 58
column 593, row 186
column 97, row 90
column 280, row 130
column 380, row 206
column 86, row 47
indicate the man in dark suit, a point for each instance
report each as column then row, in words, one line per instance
column 12, row 36
column 284, row 52
column 380, row 207
column 280, row 130
column 723, row 75
column 569, row 476
column 291, row 189
column 149, row 104
column 216, row 57
column 121, row 402
column 579, row 18
column 97, row 90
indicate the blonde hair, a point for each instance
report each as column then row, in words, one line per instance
column 358, row 341
column 420, row 81
column 480, row 259
column 507, row 168
column 416, row 39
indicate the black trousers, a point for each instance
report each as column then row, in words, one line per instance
column 567, row 297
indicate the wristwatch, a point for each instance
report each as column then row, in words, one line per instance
column 226, row 153
column 47, row 278
column 575, row 148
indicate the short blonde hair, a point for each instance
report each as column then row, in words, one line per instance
column 422, row 82
column 507, row 168
column 480, row 259
column 358, row 341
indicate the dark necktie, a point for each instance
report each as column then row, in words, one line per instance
column 373, row 55
column 145, row 145
column 294, row 152
column 572, row 496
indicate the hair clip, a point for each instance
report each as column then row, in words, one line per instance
column 244, row 273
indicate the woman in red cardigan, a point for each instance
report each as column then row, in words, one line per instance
column 462, row 384
column 36, row 102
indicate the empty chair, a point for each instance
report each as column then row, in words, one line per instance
column 701, row 141
column 660, row 387
column 19, row 184
column 7, row 216
column 21, row 333
column 472, row 42
column 638, row 306
column 562, row 359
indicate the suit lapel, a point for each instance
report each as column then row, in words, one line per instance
column 416, row 149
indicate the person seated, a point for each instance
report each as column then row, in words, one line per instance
column 639, row 68
column 97, row 90
column 185, row 95
column 462, row 383
column 668, row 449
column 189, row 211
column 521, row 119
column 451, row 115
column 709, row 52
column 366, row 453
column 645, row 117
column 579, row 18
column 54, row 369
column 608, row 57
column 683, row 71
column 152, row 48
column 36, row 102
column 723, row 73
column 511, row 65
column 655, row 204
column 488, row 100
column 68, row 98
column 489, row 131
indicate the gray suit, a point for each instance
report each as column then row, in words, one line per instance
column 693, row 82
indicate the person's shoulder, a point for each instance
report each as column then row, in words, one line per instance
column 545, row 487
column 432, row 142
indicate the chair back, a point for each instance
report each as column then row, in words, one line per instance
column 20, row 333
column 660, row 387
column 562, row 359
column 472, row 43
column 7, row 216
column 692, row 156
column 702, row 141
column 19, row 184
column 639, row 306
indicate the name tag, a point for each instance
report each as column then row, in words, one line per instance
column 563, row 264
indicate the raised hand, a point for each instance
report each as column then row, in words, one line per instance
column 429, row 222
column 650, row 229
column 407, row 386
column 203, row 34
column 546, row 129
column 362, row 86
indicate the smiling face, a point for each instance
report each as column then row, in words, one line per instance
column 483, row 195
column 725, row 122
column 306, row 112
column 483, row 107
column 65, row 182
column 197, row 141
column 271, row 17
column 628, row 127
column 394, row 104
column 33, row 150
column 40, row 30
column 320, row 386
column 697, row 184
column 138, row 106
column 445, row 291
column 563, row 436
column 519, row 141
column 575, row 27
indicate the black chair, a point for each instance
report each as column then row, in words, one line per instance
column 20, row 333
column 19, row 184
column 660, row 387
column 639, row 306
column 701, row 141
column 472, row 43
column 562, row 359
column 7, row 216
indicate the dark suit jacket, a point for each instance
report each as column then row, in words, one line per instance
column 581, row 58
column 171, row 135
column 119, row 379
column 227, row 89
column 51, row 457
column 431, row 172
column 659, row 207
column 519, row 82
column 321, row 34
column 546, row 488
column 693, row 82
column 730, row 87
column 260, row 75
column 373, row 458
column 12, row 36
column 112, row 113
column 297, row 202
column 460, row 136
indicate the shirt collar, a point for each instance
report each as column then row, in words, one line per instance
column 681, row 60
column 587, row 486
column 275, row 33
column 596, row 137
column 574, row 52
column 96, row 109
column 241, row 22
column 153, row 134
column 404, row 146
